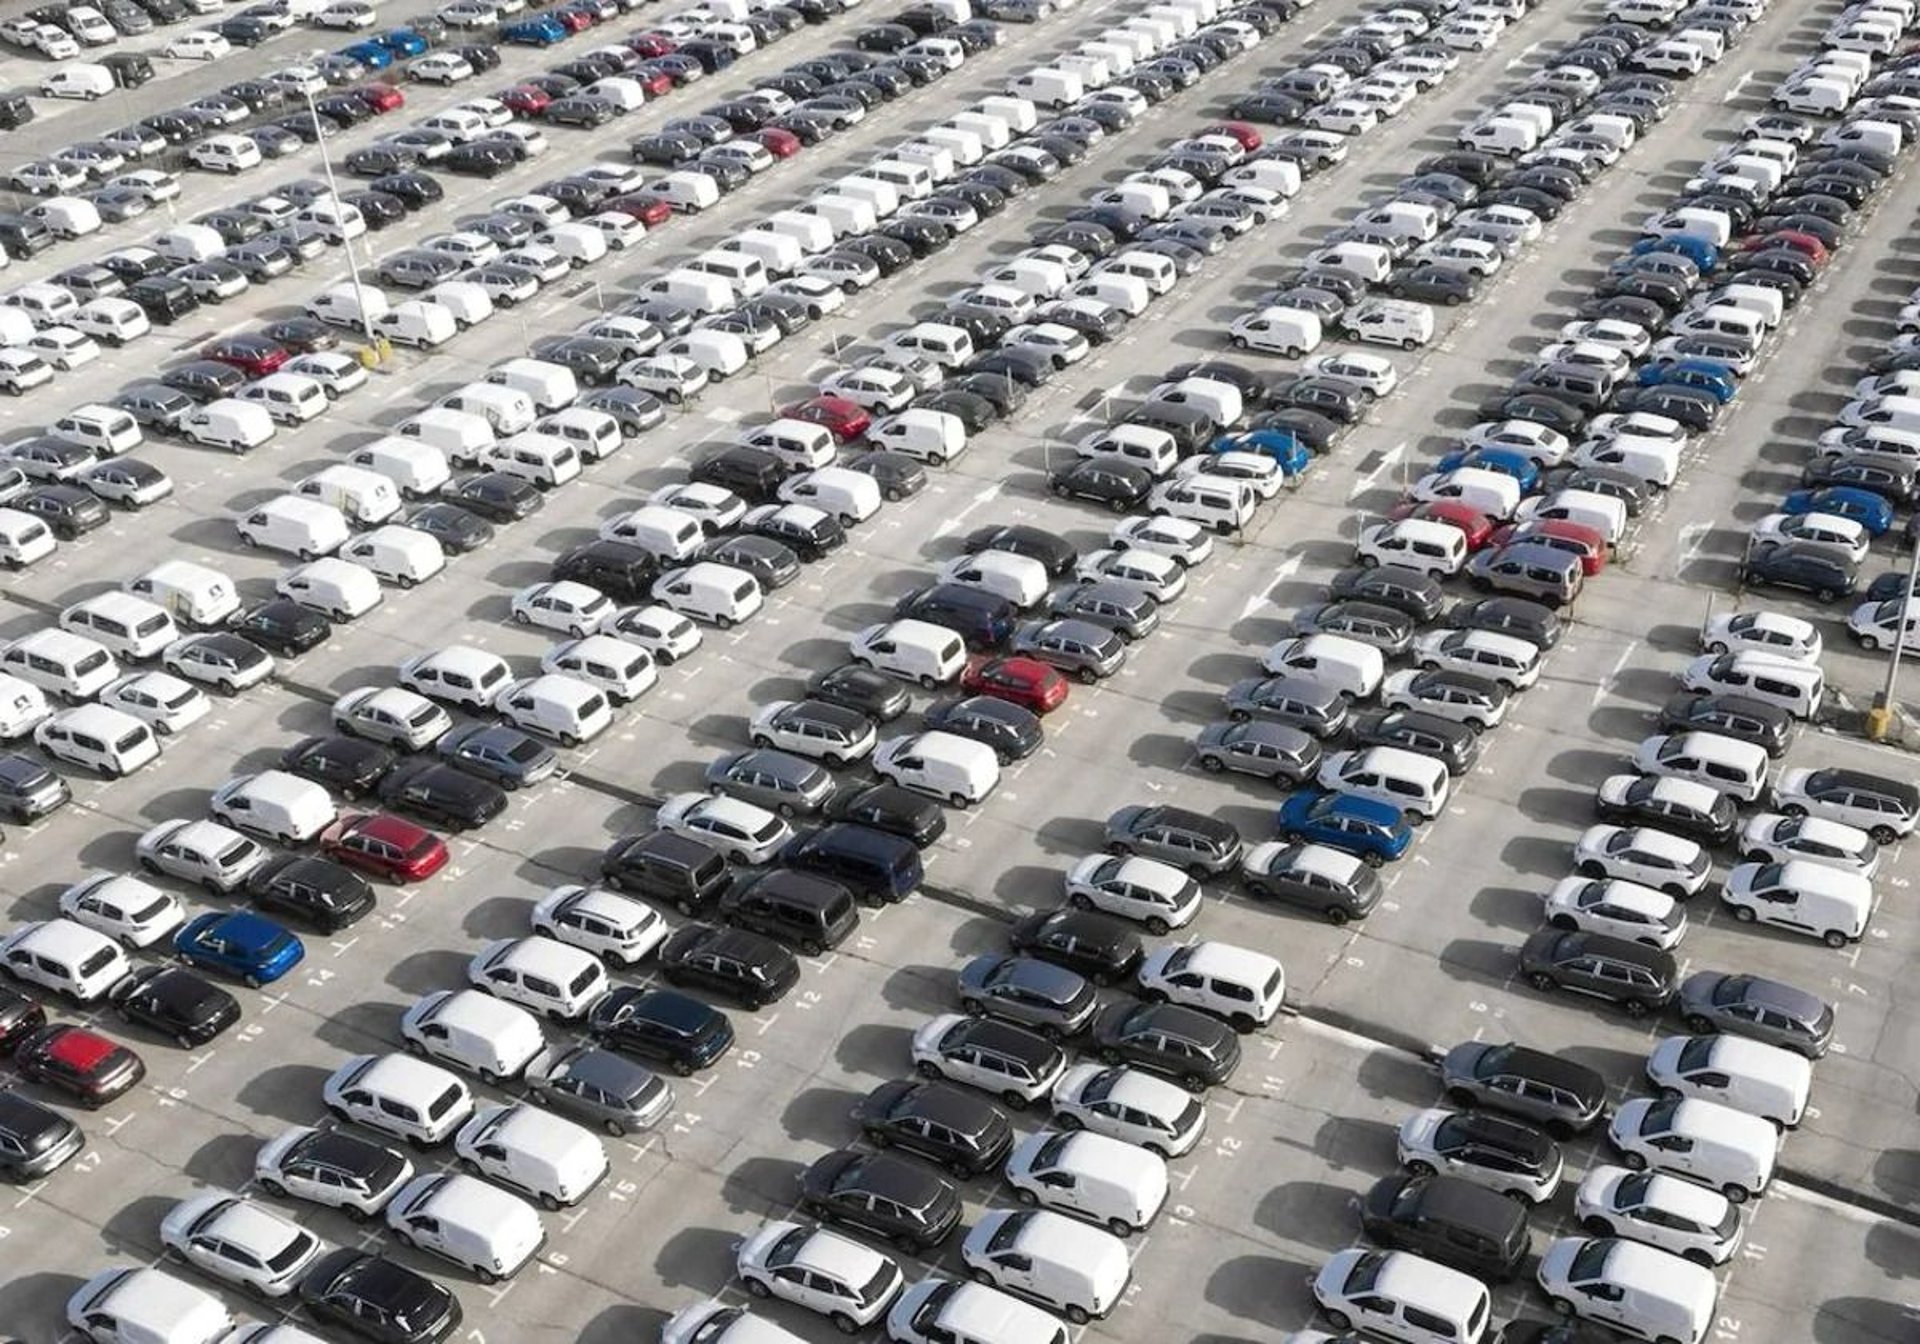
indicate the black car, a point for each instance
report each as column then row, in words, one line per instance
column 1448, row 1220
column 1195, row 1049
column 497, row 755
column 892, row 810
column 1012, row 731
column 20, row 1017
column 620, row 569
column 751, row 473
column 1416, row 594
column 317, row 892
column 957, row 1129
column 773, row 564
column 374, row 1298
column 1647, row 801
column 1641, row 979
column 348, row 766
column 281, row 625
column 661, row 1026
column 301, row 335
column 176, row 1003
column 458, row 530
column 810, row 540
column 1097, row 946
column 1120, row 486
column 1806, row 566
column 882, row 1195
column 68, row 510
column 1893, row 479
column 412, row 189
column 897, row 475
column 1539, row 625
column 1435, row 284
column 874, row 694
column 1454, row 745
column 751, row 970
column 1767, row 726
column 441, row 795
column 34, row 1139
column 261, row 260
column 204, row 379
column 497, row 496
column 479, row 159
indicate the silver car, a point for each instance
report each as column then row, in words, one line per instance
column 775, row 780
column 599, row 1087
column 1765, row 1010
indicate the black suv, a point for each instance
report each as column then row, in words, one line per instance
column 960, row 1130
column 661, row 1026
column 1809, row 567
column 667, row 867
column 1449, row 1220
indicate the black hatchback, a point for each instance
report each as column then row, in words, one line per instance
column 317, row 892
column 745, row 967
column 1120, row 486
column 1097, row 946
column 661, row 1026
column 1448, row 1220
column 956, row 1128
column 882, row 1195
column 175, row 1003
column 1012, row 732
column 348, row 766
column 281, row 625
column 375, row 1298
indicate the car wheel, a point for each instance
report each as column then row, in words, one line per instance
column 1744, row 914
column 1882, row 835
column 755, row 1288
column 1339, row 1320
column 1541, row 980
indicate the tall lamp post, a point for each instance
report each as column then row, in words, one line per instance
column 346, row 243
column 1880, row 717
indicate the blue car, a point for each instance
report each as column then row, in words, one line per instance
column 1701, row 252
column 1871, row 511
column 403, row 42
column 242, row 945
column 370, row 54
column 1505, row 460
column 541, row 32
column 1291, row 455
column 1709, row 375
column 1372, row 831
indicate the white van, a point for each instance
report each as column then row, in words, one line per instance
column 302, row 527
column 333, row 587
column 467, row 301
column 1508, row 137
column 1747, row 1075
column 1806, row 897
column 957, row 769
column 460, row 435
column 127, row 626
column 46, row 305
column 198, row 598
column 238, row 426
column 24, row 539
column 524, row 1148
column 911, row 650
column 616, row 666
column 108, row 431
column 1728, row 764
column 401, row 556
column 850, row 496
column 593, row 434
column 61, row 663
column 912, row 180
column 712, row 592
column 473, row 1030
column 686, row 191
column 1482, row 489
column 543, row 460
column 1090, row 1176
column 366, row 497
column 745, row 274
column 566, row 709
column 963, row 145
column 947, row 346
column 551, row 387
column 1149, row 268
column 845, row 215
column 1403, row 1296
column 99, row 739
column 800, row 444
column 83, row 79
column 1794, row 686
column 274, row 805
column 929, row 436
column 1076, row 1270
column 147, row 1306
column 111, row 321
column 1416, row 784
column 1048, row 86
column 1422, row 544
column 1279, row 331
column 185, row 243
column 1603, row 513
column 699, row 291
column 1353, row 669
column 777, row 253
column 1729, row 1150
column 416, row 470
column 1637, row 1289
column 348, row 305
column 338, row 221
column 883, row 198
column 1152, row 450
column 1220, row 402
column 509, row 410
column 813, row 234
column 419, row 323
column 484, row 1230
column 989, row 130
column 1018, row 113
column 668, row 534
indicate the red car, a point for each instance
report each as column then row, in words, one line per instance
column 573, row 20
column 384, row 845
column 838, row 416
column 1563, row 535
column 255, row 356
column 524, row 100
column 84, row 1064
column 382, row 97
column 1026, row 682
column 657, row 83
column 1248, row 137
column 781, row 144
column 1805, row 244
column 650, row 44
column 1473, row 524
column 649, row 210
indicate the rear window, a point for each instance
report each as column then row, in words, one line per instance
column 445, row 1102
column 132, row 739
column 950, row 651
column 91, row 663
column 153, row 625
column 98, row 962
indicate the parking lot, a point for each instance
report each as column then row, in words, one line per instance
column 1307, row 1122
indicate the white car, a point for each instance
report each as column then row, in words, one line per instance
column 1178, row 539
column 619, row 668
column 1618, row 1282
column 1877, row 625
column 878, row 391
column 1630, row 338
column 203, row 44
column 1664, row 1211
column 441, row 67
column 1020, row 579
column 1244, row 987
column 1507, row 659
column 1146, row 891
column 1843, row 535
column 1775, row 837
column 661, row 631
column 126, row 909
column 1260, row 473
column 1474, row 256
column 717, row 509
column 746, row 833
column 240, row 1242
column 66, row 958
column 391, row 715
column 1129, row 1105
column 549, row 977
column 815, row 730
column 1158, row 576
column 458, row 674
column 1374, row 375
column 848, row 1283
column 63, row 347
column 1609, row 359
column 1763, row 632
column 1062, row 344
column 1012, row 1063
column 329, row 1167
column 160, row 700
column 601, row 921
column 336, row 373
column 1475, row 703
column 1618, row 909
column 205, row 853
column 399, row 1095
column 573, row 608
column 1343, row 116
column 1513, row 1158
column 1641, row 854
column 1547, row 447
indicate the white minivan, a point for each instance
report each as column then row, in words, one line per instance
column 957, row 769
column 1065, row 1265
column 911, row 650
column 479, row 1227
column 710, row 591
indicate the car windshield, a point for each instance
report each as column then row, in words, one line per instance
column 1590, row 1263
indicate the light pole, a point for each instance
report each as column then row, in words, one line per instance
column 1880, row 717
column 346, row 243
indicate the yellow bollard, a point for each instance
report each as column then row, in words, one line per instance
column 1879, row 723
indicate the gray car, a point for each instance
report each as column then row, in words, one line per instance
column 498, row 754
column 1193, row 842
column 1120, row 607
column 1386, row 629
column 1038, row 994
column 1330, row 882
column 1078, row 648
column 1567, row 1098
column 1273, row 751
column 1765, row 1010
column 1314, row 707
column 604, row 1089
column 776, row 780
